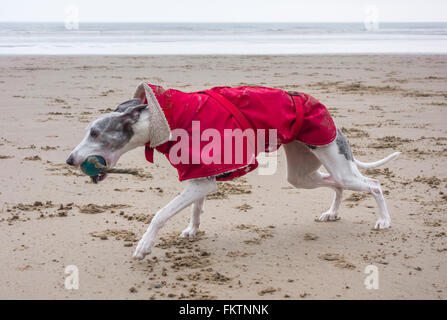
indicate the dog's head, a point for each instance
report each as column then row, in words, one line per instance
column 109, row 135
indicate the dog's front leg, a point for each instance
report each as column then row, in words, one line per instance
column 195, row 190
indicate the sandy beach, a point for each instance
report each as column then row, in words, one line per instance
column 258, row 236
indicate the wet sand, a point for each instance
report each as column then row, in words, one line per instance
column 259, row 239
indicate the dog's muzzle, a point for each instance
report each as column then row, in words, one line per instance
column 70, row 161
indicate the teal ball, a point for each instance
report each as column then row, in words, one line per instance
column 89, row 168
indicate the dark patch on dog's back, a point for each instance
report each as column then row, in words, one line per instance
column 343, row 146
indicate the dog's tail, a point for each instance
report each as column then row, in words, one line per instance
column 376, row 163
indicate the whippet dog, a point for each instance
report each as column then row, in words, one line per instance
column 133, row 124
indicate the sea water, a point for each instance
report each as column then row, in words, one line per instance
column 221, row 38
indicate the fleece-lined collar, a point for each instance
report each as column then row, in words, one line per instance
column 159, row 130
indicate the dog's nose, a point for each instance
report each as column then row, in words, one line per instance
column 70, row 160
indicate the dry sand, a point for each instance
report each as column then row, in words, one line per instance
column 259, row 238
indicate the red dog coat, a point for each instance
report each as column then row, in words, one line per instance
column 295, row 116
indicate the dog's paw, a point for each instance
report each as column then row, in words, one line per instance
column 189, row 232
column 328, row 216
column 382, row 224
column 144, row 248
column 140, row 253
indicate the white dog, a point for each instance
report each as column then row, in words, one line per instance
column 141, row 119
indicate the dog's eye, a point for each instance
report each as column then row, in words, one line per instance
column 94, row 133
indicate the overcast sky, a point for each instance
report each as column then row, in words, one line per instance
column 224, row 10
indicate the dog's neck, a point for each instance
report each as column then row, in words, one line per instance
column 150, row 128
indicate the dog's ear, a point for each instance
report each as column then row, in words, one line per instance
column 128, row 104
column 132, row 114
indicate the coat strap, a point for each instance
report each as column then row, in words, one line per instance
column 238, row 116
column 231, row 108
column 297, row 99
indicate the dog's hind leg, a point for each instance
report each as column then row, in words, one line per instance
column 337, row 158
column 302, row 172
column 193, row 227
column 332, row 213
column 196, row 189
